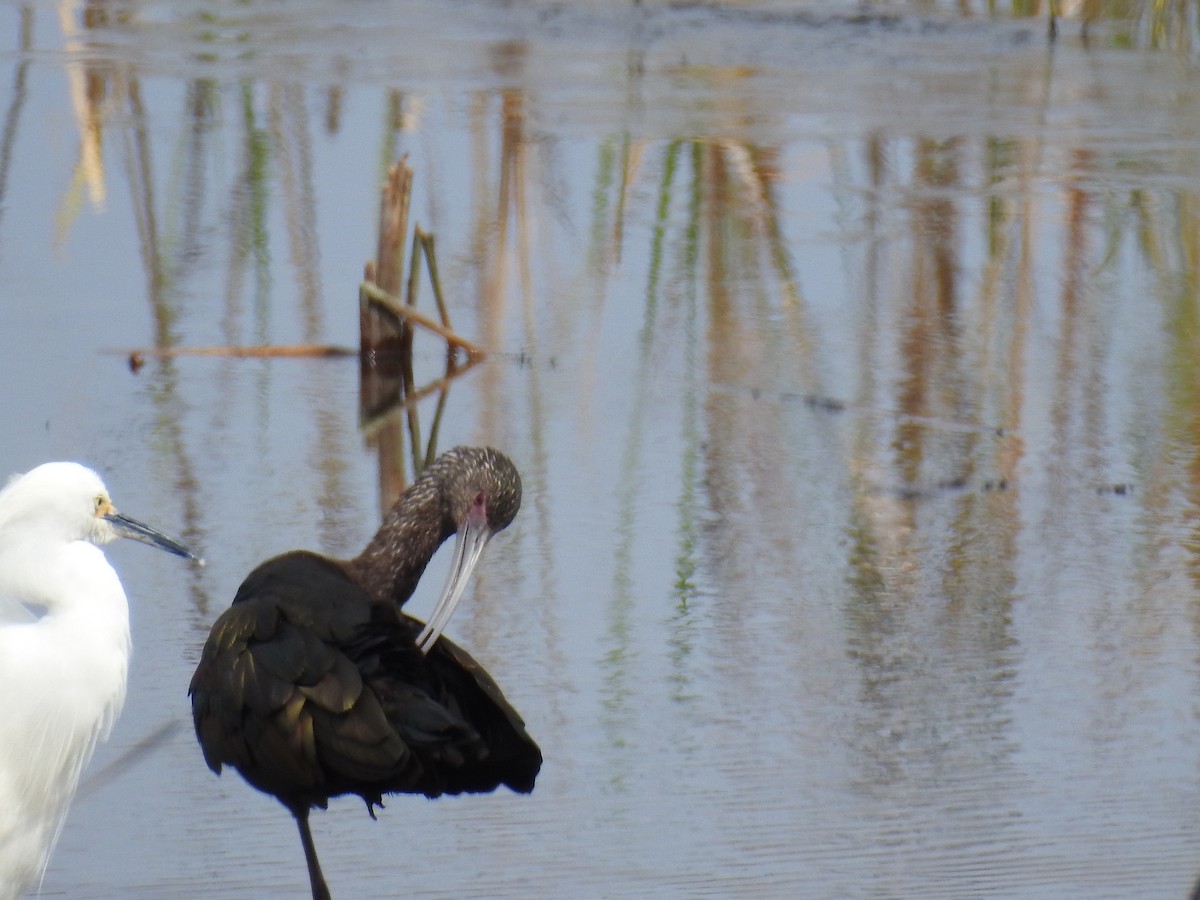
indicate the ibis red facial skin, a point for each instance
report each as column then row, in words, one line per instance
column 314, row 683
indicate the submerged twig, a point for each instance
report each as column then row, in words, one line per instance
column 400, row 310
column 118, row 766
column 303, row 350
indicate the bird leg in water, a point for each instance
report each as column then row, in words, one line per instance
column 320, row 890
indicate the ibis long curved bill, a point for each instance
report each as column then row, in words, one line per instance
column 470, row 539
column 140, row 531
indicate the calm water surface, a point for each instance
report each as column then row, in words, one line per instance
column 849, row 355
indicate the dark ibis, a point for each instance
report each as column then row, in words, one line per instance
column 314, row 684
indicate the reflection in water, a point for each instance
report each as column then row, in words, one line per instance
column 12, row 115
column 684, row 624
column 619, row 659
column 862, row 520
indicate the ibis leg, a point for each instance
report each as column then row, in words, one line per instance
column 320, row 890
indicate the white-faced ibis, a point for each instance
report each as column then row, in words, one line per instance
column 314, row 684
column 64, row 652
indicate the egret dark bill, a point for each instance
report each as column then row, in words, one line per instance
column 140, row 531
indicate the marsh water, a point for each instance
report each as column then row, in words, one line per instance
column 849, row 356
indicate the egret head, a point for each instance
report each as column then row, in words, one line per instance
column 69, row 502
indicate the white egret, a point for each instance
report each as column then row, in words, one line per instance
column 64, row 651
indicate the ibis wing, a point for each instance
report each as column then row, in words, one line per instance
column 276, row 696
column 462, row 733
column 513, row 758
column 310, row 692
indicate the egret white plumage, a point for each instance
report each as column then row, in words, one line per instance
column 64, row 651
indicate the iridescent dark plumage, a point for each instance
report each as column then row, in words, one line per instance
column 314, row 684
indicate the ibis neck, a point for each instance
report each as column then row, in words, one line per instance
column 414, row 528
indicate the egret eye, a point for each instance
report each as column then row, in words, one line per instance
column 99, row 502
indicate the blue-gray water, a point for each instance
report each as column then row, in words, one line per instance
column 850, row 362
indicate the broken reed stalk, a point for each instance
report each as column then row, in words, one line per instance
column 406, row 340
column 381, row 338
column 393, row 226
column 431, row 262
column 387, row 311
column 381, row 289
column 414, row 270
column 378, row 333
column 436, row 281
